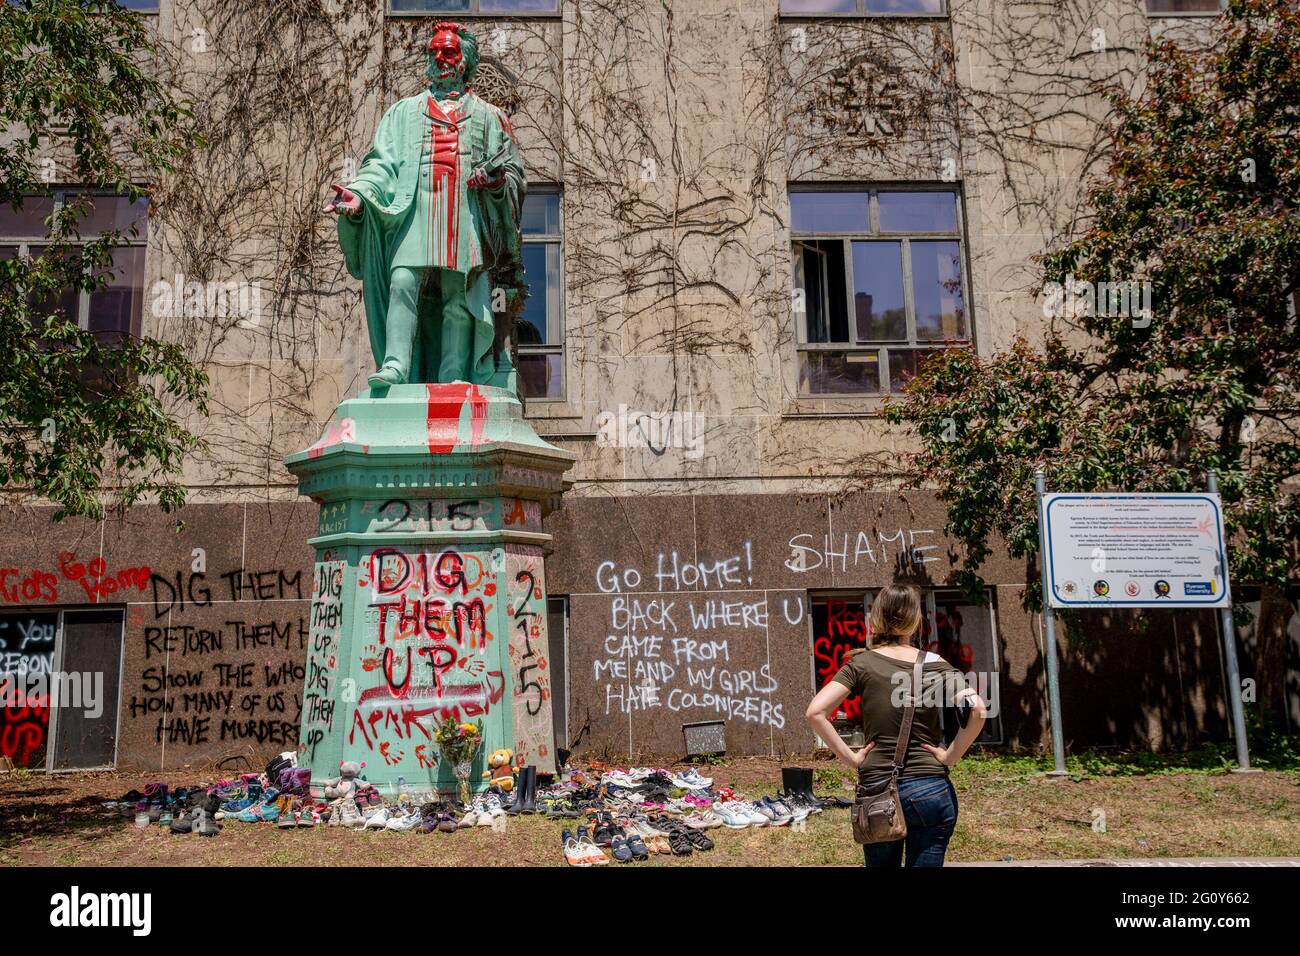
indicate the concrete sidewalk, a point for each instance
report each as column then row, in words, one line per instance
column 1190, row 861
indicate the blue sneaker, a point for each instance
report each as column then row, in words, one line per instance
column 267, row 811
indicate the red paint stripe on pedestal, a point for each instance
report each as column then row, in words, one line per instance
column 446, row 402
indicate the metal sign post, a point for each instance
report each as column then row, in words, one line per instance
column 1230, row 659
column 1049, row 640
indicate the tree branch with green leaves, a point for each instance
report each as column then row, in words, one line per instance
column 86, row 420
column 1201, row 203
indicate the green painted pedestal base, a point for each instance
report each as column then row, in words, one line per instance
column 430, row 596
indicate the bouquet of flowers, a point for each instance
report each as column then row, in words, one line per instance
column 458, row 743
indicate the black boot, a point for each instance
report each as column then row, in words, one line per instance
column 530, row 797
column 523, row 802
column 790, row 781
column 517, row 792
column 806, row 786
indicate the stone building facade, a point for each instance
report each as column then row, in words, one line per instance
column 748, row 220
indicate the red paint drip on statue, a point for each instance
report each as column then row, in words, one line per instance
column 446, row 402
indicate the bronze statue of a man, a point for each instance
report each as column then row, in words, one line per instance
column 430, row 226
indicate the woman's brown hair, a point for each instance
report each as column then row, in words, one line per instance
column 895, row 616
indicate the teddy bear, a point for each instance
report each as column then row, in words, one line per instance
column 343, row 792
column 501, row 770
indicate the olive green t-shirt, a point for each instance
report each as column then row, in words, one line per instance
column 882, row 681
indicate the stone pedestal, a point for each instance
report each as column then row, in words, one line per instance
column 430, row 595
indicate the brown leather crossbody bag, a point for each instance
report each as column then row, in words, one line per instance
column 878, row 811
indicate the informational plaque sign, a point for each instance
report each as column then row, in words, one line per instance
column 1135, row 550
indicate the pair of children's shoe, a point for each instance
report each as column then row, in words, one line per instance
column 580, row 851
column 627, row 848
column 399, row 819
column 439, row 817
column 296, row 814
column 480, row 818
column 196, row 820
column 345, row 813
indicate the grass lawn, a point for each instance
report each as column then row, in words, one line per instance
column 1152, row 806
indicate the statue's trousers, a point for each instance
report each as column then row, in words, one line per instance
column 446, row 345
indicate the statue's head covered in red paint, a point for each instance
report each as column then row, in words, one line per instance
column 453, row 55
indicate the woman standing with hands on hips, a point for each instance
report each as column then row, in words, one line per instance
column 883, row 674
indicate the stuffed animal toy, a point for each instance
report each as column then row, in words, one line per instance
column 348, row 783
column 501, row 770
column 343, row 792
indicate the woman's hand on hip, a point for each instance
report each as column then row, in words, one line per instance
column 858, row 757
column 943, row 755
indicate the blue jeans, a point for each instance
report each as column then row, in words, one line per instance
column 930, row 808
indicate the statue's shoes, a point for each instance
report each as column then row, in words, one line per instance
column 385, row 377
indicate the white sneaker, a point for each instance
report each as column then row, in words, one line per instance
column 780, row 816
column 407, row 821
column 348, row 814
column 756, row 817
column 692, row 780
column 732, row 816
column 377, row 820
column 617, row 778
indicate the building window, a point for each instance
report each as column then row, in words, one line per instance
column 878, row 285
column 478, row 7
column 84, row 646
column 863, row 8
column 540, row 331
column 114, row 310
column 1175, row 8
column 962, row 634
column 144, row 6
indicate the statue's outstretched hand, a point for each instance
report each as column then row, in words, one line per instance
column 344, row 201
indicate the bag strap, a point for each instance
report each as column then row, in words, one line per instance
column 905, row 730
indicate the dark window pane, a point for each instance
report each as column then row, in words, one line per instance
column 831, row 212
column 115, row 310
column 963, row 636
column 918, row 212
column 904, row 364
column 1183, row 6
column 92, row 644
column 541, row 376
column 820, row 273
column 819, row 6
column 27, row 645
column 936, row 286
column 905, row 6
column 115, row 213
column 538, row 324
column 837, row 373
column 839, row 627
column 66, row 303
column 28, row 222
column 541, row 214
column 556, row 615
column 879, row 306
column 145, row 6
column 449, row 6
column 519, row 6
